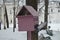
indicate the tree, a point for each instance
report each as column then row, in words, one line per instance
column 0, row 18
column 5, row 15
column 33, row 3
column 17, row 6
column 0, row 23
column 46, row 13
column 14, row 18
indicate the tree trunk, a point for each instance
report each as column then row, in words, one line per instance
column 17, row 7
column 0, row 18
column 6, row 17
column 14, row 18
column 0, row 24
column 46, row 13
column 4, row 13
column 33, row 3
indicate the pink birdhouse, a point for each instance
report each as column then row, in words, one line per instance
column 27, row 18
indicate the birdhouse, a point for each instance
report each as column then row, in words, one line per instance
column 27, row 18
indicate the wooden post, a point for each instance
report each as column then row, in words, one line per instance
column 29, row 36
column 32, row 35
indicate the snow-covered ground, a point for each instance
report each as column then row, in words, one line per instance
column 54, row 26
column 56, row 34
column 8, row 34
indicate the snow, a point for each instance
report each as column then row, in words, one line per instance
column 56, row 34
column 8, row 34
column 54, row 26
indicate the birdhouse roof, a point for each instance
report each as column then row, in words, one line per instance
column 30, row 9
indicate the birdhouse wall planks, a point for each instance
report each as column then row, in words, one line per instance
column 27, row 18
